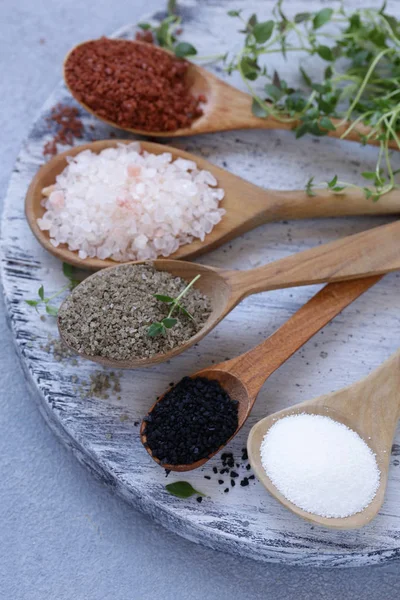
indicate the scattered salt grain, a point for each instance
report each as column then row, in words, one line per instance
column 320, row 465
column 125, row 204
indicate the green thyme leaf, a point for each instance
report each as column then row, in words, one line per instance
column 322, row 17
column 309, row 187
column 155, row 329
column 41, row 292
column 333, row 182
column 32, row 302
column 182, row 489
column 258, row 110
column 326, row 123
column 301, row 17
column 234, row 13
column 263, row 31
column 368, row 174
column 168, row 322
column 144, row 26
column 184, row 49
column 274, row 92
column 68, row 270
column 325, row 52
column 51, row 310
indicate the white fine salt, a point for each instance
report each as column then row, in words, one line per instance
column 320, row 465
column 126, row 204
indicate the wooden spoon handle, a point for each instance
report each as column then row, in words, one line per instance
column 263, row 206
column 255, row 366
column 372, row 252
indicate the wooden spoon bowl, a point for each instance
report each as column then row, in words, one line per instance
column 226, row 108
column 372, row 252
column 371, row 407
column 247, row 205
column 236, row 390
column 243, row 377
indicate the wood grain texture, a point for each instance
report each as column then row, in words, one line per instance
column 247, row 522
column 247, row 206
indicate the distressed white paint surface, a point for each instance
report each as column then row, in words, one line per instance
column 245, row 521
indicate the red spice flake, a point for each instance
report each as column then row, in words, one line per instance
column 144, row 36
column 50, row 148
column 135, row 86
column 69, row 127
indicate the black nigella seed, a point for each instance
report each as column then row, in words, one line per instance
column 199, row 499
column 207, row 477
column 244, row 454
column 234, row 474
column 226, row 490
column 233, row 483
column 191, row 421
column 244, row 482
column 248, row 467
column 251, row 477
column 220, row 481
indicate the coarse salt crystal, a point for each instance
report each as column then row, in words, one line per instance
column 320, row 465
column 126, row 204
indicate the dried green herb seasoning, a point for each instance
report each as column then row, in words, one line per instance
column 110, row 314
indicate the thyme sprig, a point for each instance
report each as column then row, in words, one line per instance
column 161, row 327
column 360, row 84
column 168, row 31
column 43, row 300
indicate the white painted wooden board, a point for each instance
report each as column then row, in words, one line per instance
column 246, row 521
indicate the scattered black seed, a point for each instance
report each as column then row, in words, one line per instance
column 191, row 421
column 136, row 423
column 199, row 499
column 251, row 477
column 171, row 384
column 244, row 482
column 234, row 474
column 207, row 477
column 215, row 469
column 248, row 467
column 167, row 472
column 220, row 481
column 233, row 483
column 244, row 454
column 224, row 470
column 226, row 490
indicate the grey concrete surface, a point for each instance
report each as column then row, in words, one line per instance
column 63, row 536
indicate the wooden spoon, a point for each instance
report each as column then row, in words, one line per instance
column 371, row 407
column 247, row 205
column 372, row 252
column 243, row 376
column 226, row 108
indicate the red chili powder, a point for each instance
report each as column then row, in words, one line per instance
column 68, row 124
column 133, row 85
